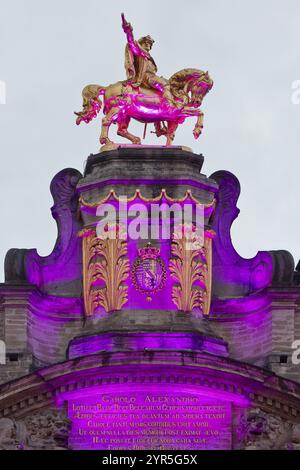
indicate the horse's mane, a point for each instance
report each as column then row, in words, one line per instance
column 179, row 80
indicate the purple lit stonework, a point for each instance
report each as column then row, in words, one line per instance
column 124, row 343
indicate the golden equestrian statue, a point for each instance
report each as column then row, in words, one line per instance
column 145, row 96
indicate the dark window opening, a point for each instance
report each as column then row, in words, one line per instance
column 283, row 359
column 13, row 357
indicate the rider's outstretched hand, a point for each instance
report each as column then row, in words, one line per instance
column 127, row 28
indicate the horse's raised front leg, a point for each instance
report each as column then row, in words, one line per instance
column 106, row 122
column 123, row 132
column 199, row 125
column 172, row 126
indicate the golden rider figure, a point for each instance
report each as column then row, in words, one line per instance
column 140, row 66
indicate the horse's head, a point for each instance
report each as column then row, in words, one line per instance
column 200, row 85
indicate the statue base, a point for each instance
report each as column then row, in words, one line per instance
column 112, row 146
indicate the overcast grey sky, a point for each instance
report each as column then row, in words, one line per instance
column 49, row 50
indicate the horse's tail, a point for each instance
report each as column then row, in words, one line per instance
column 91, row 103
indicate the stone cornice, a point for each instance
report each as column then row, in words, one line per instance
column 285, row 295
column 42, row 388
column 232, row 309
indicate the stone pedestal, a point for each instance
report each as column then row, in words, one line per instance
column 134, row 181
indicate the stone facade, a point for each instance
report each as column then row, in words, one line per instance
column 27, row 418
column 242, row 350
column 255, row 306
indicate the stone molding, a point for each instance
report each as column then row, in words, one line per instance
column 261, row 388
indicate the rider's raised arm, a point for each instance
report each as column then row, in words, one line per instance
column 133, row 45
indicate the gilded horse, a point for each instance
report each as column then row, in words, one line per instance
column 122, row 101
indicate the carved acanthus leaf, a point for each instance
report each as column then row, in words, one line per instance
column 190, row 266
column 106, row 268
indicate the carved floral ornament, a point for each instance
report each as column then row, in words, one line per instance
column 190, row 266
column 107, row 270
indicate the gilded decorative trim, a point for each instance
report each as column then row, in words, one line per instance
column 207, row 275
column 138, row 195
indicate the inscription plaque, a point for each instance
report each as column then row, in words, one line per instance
column 149, row 420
